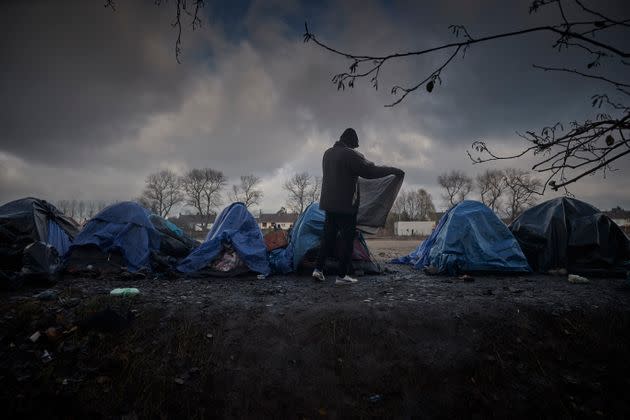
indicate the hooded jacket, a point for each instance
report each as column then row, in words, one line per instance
column 342, row 166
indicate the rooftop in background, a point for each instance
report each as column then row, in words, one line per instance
column 617, row 213
column 190, row 219
column 277, row 217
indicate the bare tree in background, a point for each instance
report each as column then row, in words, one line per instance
column 100, row 205
column 457, row 186
column 81, row 209
column 303, row 189
column 73, row 207
column 563, row 156
column 161, row 192
column 63, row 206
column 203, row 190
column 521, row 191
column 91, row 208
column 316, row 190
column 491, row 185
column 147, row 204
column 247, row 192
column 414, row 205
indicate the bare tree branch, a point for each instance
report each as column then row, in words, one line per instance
column 246, row 192
column 491, row 186
column 618, row 85
column 302, row 189
column 180, row 6
column 457, row 185
column 521, row 191
column 585, row 147
column 161, row 192
column 203, row 190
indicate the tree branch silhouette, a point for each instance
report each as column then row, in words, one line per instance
column 587, row 147
column 191, row 8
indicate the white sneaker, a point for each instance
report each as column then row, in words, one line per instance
column 345, row 280
column 318, row 275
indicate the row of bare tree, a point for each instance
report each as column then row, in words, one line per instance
column 203, row 190
column 414, row 205
column 506, row 191
column 199, row 188
column 81, row 210
column 302, row 189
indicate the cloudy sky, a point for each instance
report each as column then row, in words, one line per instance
column 94, row 100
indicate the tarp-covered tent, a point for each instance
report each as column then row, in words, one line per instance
column 122, row 231
column 469, row 238
column 304, row 242
column 569, row 233
column 29, row 220
column 235, row 242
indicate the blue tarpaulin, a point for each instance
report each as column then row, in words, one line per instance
column 123, row 227
column 469, row 238
column 235, row 226
column 306, row 234
column 58, row 238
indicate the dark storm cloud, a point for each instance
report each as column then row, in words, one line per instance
column 95, row 100
column 77, row 77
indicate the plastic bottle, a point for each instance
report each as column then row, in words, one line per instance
column 574, row 278
column 127, row 291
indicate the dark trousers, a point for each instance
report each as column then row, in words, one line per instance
column 345, row 225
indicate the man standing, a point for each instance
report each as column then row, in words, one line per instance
column 342, row 166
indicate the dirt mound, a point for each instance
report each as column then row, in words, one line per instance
column 401, row 345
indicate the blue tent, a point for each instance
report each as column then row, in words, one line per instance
column 235, row 226
column 123, row 227
column 469, row 238
column 306, row 235
column 29, row 220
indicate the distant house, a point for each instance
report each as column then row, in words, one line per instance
column 620, row 216
column 269, row 220
column 193, row 223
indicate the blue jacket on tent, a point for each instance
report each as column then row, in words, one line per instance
column 125, row 227
column 469, row 237
column 237, row 226
column 306, row 234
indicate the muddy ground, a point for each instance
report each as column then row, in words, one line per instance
column 398, row 345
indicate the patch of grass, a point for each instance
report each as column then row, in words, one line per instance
column 155, row 367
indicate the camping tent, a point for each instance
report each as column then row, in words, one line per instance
column 305, row 240
column 234, row 245
column 123, row 232
column 30, row 220
column 569, row 233
column 377, row 197
column 469, row 238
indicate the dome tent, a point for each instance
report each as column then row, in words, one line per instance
column 568, row 233
column 235, row 234
column 28, row 221
column 469, row 238
column 121, row 235
column 306, row 236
